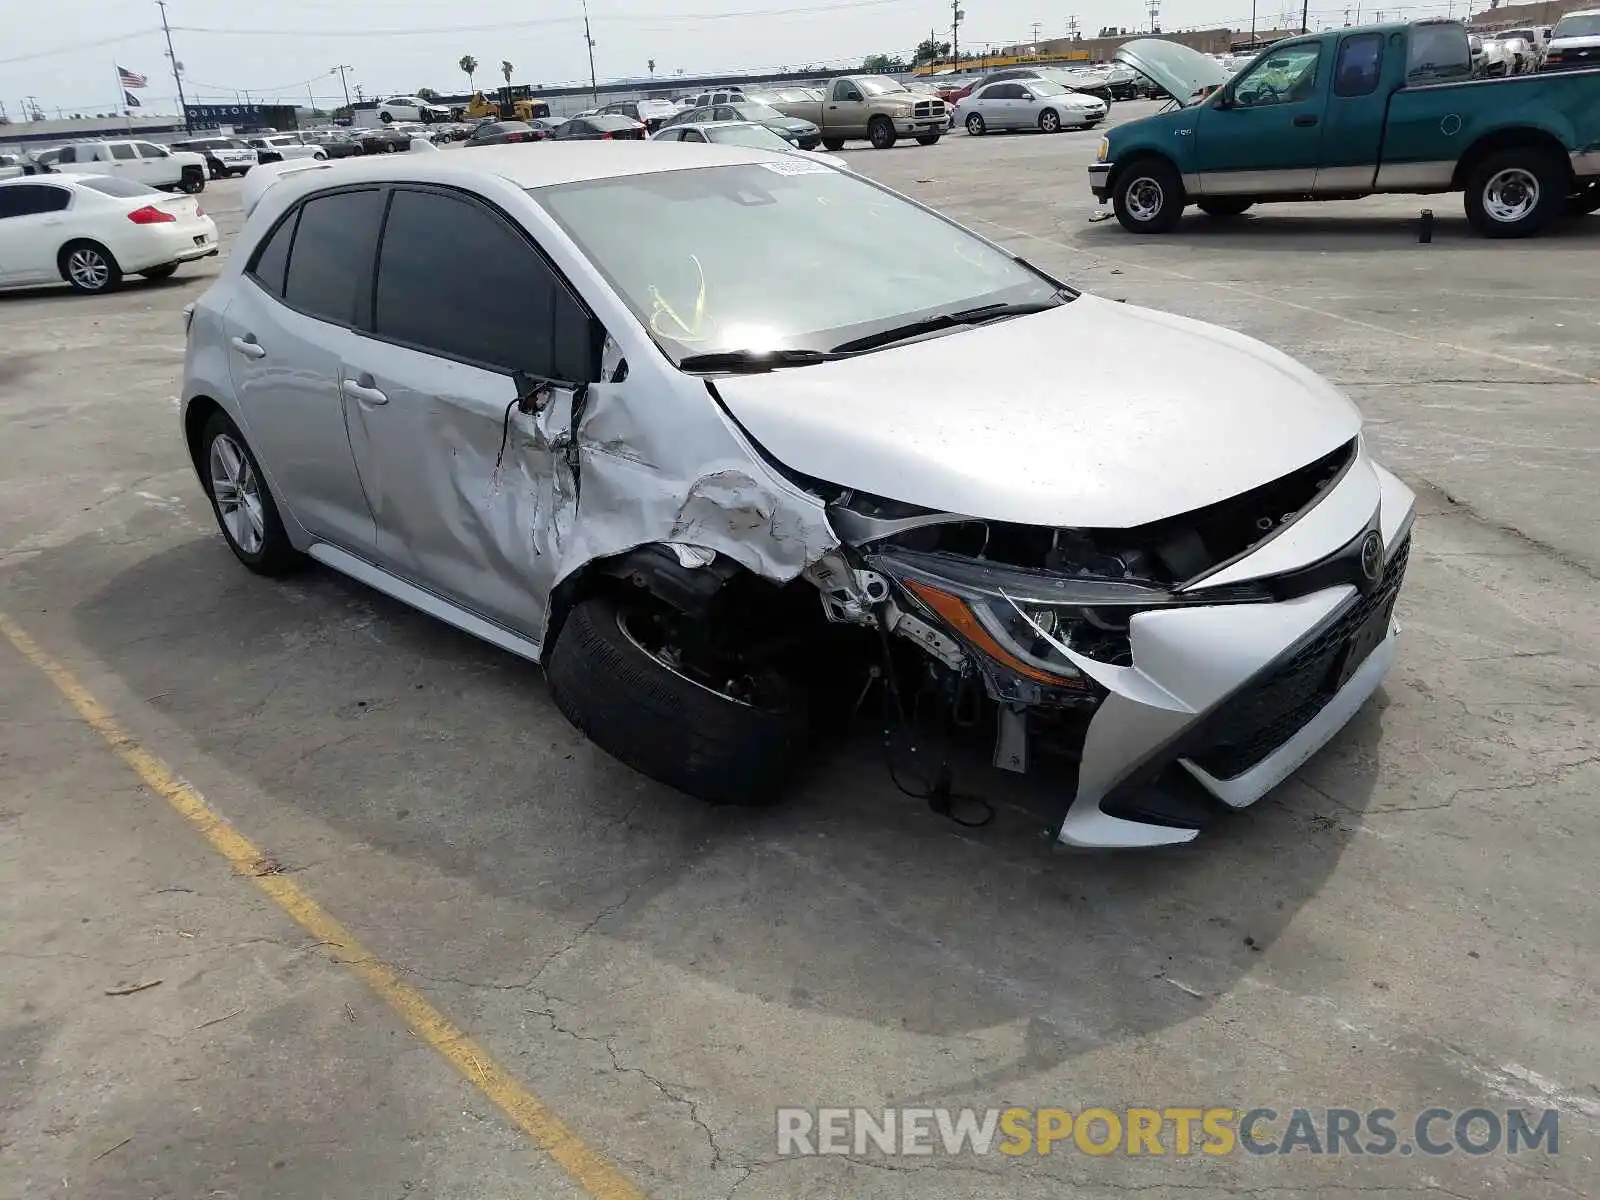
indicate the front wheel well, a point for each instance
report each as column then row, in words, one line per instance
column 1131, row 160
column 1506, row 139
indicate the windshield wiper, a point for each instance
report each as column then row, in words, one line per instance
column 754, row 361
column 951, row 320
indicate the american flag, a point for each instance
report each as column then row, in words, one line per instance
column 132, row 79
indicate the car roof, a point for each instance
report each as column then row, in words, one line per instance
column 526, row 166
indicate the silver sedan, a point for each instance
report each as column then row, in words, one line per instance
column 1041, row 104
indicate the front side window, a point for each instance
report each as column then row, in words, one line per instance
column 693, row 135
column 693, row 254
column 330, row 263
column 456, row 279
column 1285, row 77
column 845, row 90
column 123, row 151
column 1359, row 66
column 146, row 150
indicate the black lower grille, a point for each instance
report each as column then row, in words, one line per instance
column 1270, row 710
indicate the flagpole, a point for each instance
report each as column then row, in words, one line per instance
column 122, row 98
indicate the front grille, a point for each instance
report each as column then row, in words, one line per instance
column 928, row 108
column 1271, row 709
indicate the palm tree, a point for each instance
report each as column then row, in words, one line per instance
column 469, row 68
column 505, row 69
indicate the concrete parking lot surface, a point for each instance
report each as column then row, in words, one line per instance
column 1408, row 922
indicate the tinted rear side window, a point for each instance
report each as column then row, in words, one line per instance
column 113, row 185
column 1359, row 66
column 272, row 260
column 456, row 279
column 331, row 263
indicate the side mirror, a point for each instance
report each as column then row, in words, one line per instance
column 1225, row 96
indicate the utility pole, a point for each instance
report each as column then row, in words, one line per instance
column 1072, row 28
column 177, row 67
column 956, row 16
column 1252, row 22
column 1035, row 37
column 1305, row 13
column 594, row 87
column 1154, row 8
column 339, row 71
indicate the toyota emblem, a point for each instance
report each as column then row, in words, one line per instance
column 1371, row 556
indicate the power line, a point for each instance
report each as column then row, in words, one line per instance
column 74, row 47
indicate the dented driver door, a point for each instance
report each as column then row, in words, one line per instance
column 461, row 456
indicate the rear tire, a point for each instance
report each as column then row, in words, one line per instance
column 664, row 725
column 1516, row 192
column 256, row 535
column 1223, row 207
column 880, row 132
column 193, row 182
column 89, row 267
column 1148, row 196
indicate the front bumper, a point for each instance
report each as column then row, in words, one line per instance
column 1100, row 181
column 916, row 126
column 1223, row 702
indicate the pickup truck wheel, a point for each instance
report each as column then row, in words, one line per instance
column 1050, row 121
column 1584, row 201
column 215, row 169
column 880, row 132
column 1516, row 192
column 619, row 676
column 1148, row 196
column 89, row 267
column 193, row 182
column 975, row 124
column 834, row 144
column 1222, row 206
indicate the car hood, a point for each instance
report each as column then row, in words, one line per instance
column 1184, row 73
column 1094, row 414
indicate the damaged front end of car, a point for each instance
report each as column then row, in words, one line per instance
column 1166, row 685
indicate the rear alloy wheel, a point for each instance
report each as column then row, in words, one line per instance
column 1516, row 192
column 1148, row 196
column 1050, row 121
column 975, row 125
column 89, row 267
column 1221, row 206
column 880, row 132
column 725, row 733
column 246, row 512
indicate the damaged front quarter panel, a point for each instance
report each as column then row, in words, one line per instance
column 666, row 465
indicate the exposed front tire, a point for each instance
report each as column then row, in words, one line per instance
column 975, row 126
column 928, row 139
column 1050, row 121
column 615, row 680
column 385, row 118
column 880, row 132
column 89, row 267
column 244, row 508
column 1222, row 206
column 1148, row 196
column 164, row 271
column 1516, row 192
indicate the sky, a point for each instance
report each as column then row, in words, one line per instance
column 64, row 52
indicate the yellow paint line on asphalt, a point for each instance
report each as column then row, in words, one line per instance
column 587, row 1167
column 1526, row 364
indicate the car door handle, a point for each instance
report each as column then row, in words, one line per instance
column 248, row 346
column 1305, row 121
column 362, row 389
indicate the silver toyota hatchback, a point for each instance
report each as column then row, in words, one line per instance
column 735, row 443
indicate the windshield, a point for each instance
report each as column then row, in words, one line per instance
column 1578, row 25
column 874, row 86
column 758, row 137
column 696, row 255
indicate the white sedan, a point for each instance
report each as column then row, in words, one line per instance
column 741, row 133
column 1041, row 104
column 91, row 230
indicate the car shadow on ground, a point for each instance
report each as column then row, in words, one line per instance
column 57, row 292
column 1263, row 229
column 847, row 897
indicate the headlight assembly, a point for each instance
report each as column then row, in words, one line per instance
column 1104, row 153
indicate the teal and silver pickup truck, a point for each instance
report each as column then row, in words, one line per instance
column 1349, row 113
